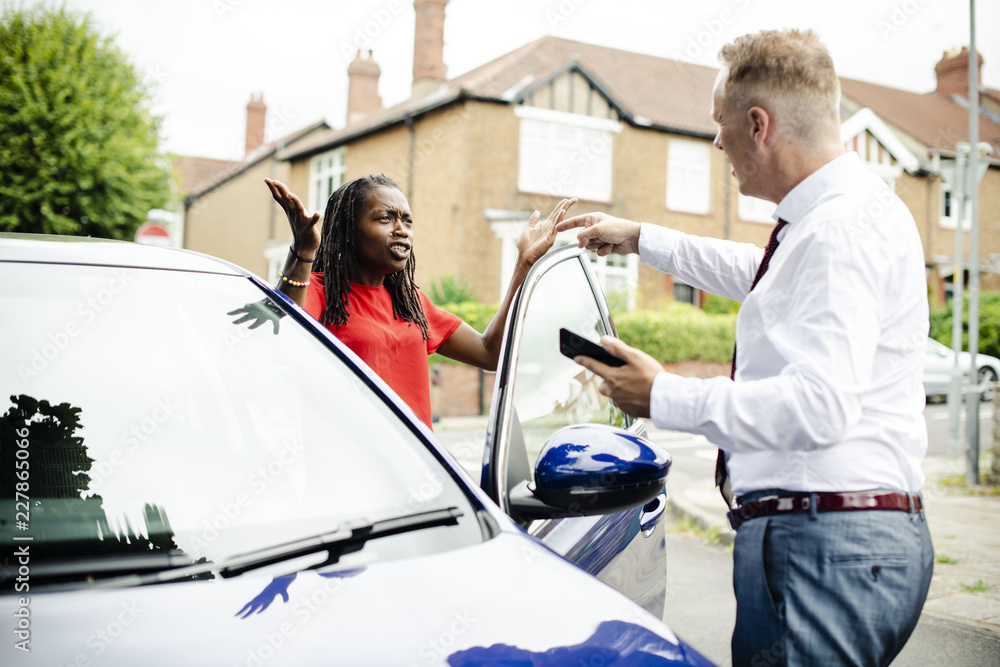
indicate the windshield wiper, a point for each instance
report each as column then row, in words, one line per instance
column 339, row 542
column 97, row 570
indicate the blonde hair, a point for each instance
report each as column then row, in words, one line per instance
column 789, row 72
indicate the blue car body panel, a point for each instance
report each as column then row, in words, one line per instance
column 506, row 600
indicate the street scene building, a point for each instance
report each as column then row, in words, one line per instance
column 626, row 133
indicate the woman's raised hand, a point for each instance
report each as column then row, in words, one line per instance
column 539, row 235
column 304, row 229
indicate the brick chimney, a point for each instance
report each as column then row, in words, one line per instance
column 256, row 111
column 362, row 87
column 428, row 47
column 953, row 72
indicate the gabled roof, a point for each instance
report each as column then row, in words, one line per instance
column 264, row 152
column 646, row 90
column 195, row 172
column 936, row 121
column 651, row 91
column 866, row 120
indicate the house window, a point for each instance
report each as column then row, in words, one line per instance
column 564, row 154
column 684, row 293
column 326, row 174
column 688, row 179
column 756, row 210
column 618, row 276
column 949, row 209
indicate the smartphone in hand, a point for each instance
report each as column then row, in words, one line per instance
column 573, row 345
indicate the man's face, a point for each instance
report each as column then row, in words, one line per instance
column 384, row 235
column 735, row 139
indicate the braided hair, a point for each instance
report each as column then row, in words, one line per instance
column 336, row 257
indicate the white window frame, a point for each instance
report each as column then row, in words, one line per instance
column 326, row 174
column 578, row 166
column 275, row 253
column 689, row 176
column 507, row 226
column 625, row 268
column 951, row 221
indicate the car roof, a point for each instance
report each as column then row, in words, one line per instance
column 56, row 249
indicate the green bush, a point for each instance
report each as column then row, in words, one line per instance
column 450, row 289
column 679, row 332
column 475, row 314
column 720, row 305
column 989, row 324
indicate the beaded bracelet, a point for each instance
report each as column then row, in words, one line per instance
column 293, row 283
column 296, row 256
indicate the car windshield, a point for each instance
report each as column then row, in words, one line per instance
column 137, row 417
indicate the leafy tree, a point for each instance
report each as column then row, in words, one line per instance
column 80, row 147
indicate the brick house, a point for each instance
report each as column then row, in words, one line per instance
column 227, row 211
column 627, row 133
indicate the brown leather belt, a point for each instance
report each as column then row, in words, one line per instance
column 800, row 503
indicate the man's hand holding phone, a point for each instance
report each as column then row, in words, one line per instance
column 627, row 384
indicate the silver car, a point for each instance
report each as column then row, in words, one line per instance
column 938, row 364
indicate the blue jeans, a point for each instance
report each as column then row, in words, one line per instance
column 829, row 588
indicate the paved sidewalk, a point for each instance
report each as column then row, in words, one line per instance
column 965, row 528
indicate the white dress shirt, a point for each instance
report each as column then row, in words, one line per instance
column 828, row 393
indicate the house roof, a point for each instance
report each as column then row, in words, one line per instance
column 646, row 90
column 650, row 91
column 264, row 152
column 193, row 172
column 936, row 121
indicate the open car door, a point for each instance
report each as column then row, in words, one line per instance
column 538, row 394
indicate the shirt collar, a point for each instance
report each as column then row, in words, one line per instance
column 803, row 196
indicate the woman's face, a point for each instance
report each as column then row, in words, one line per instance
column 384, row 236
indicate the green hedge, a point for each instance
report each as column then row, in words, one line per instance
column 679, row 332
column 989, row 324
column 477, row 315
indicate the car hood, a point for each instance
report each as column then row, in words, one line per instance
column 508, row 600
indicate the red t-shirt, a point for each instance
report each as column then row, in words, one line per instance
column 395, row 349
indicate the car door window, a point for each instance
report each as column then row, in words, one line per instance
column 549, row 390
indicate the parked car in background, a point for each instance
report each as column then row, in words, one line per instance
column 939, row 362
column 194, row 471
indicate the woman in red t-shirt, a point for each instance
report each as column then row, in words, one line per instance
column 356, row 277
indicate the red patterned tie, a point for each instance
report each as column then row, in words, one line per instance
column 721, row 473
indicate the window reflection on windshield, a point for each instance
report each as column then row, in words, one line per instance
column 156, row 422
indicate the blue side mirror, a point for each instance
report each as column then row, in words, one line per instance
column 593, row 469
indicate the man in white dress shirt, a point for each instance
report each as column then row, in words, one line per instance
column 822, row 425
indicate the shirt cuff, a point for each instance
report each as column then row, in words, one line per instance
column 657, row 244
column 674, row 401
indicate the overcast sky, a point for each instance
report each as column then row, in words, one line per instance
column 204, row 58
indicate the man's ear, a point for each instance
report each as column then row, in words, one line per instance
column 760, row 125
